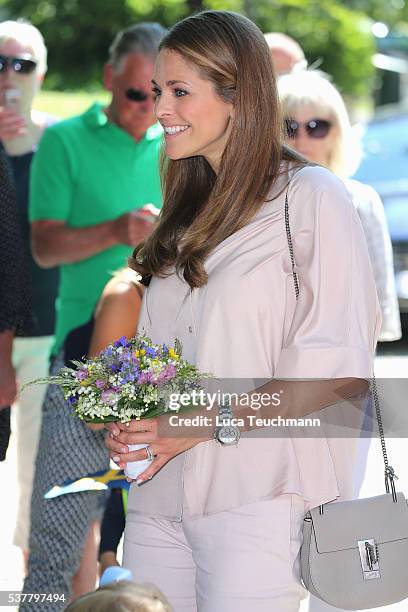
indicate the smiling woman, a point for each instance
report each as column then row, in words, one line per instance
column 205, row 102
column 195, row 121
column 220, row 279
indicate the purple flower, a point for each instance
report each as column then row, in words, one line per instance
column 100, row 383
column 107, row 352
column 109, row 397
column 121, row 342
column 82, row 374
column 72, row 399
column 150, row 352
column 126, row 358
column 130, row 376
column 145, row 378
column 167, row 374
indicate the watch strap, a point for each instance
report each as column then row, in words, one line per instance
column 225, row 411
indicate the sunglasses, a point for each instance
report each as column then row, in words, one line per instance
column 315, row 128
column 137, row 95
column 20, row 65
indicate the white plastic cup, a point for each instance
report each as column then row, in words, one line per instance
column 12, row 98
column 134, row 468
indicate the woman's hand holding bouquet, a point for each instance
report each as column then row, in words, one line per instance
column 127, row 387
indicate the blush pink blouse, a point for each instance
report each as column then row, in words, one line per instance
column 246, row 323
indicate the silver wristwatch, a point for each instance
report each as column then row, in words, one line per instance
column 225, row 433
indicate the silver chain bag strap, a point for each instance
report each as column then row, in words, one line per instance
column 355, row 553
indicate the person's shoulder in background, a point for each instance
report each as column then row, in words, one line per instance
column 71, row 127
column 44, row 119
column 117, row 312
column 364, row 196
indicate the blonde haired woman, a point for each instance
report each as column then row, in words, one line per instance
column 122, row 596
column 318, row 127
column 217, row 522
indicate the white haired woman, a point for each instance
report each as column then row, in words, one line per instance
column 318, row 127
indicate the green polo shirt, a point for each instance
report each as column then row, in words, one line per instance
column 86, row 171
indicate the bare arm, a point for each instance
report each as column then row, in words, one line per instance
column 117, row 315
column 55, row 243
column 8, row 387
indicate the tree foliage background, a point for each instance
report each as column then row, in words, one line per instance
column 333, row 32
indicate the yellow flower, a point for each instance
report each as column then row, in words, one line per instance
column 173, row 354
column 142, row 352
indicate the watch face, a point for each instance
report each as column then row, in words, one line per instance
column 228, row 434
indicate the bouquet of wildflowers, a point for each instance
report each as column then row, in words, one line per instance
column 130, row 379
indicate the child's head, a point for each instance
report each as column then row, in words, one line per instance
column 122, row 596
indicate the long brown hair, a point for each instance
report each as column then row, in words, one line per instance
column 199, row 206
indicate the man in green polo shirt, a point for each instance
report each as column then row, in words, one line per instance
column 95, row 187
column 90, row 174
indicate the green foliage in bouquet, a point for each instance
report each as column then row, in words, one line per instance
column 130, row 379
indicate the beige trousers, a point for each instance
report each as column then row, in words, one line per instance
column 240, row 560
column 30, row 360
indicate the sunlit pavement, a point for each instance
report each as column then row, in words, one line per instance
column 387, row 366
column 11, row 567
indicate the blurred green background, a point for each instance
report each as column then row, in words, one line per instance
column 67, row 103
column 335, row 34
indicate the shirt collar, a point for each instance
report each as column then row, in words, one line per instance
column 96, row 117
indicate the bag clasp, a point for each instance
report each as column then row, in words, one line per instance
column 369, row 559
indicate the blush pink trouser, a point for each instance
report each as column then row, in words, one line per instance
column 240, row 560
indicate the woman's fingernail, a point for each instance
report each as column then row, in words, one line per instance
column 139, row 481
column 116, row 459
column 123, row 449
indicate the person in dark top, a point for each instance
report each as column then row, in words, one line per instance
column 112, row 528
column 23, row 65
column 15, row 303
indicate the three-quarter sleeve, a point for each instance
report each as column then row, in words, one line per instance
column 15, row 291
column 337, row 318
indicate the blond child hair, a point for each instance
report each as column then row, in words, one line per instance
column 122, row 596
